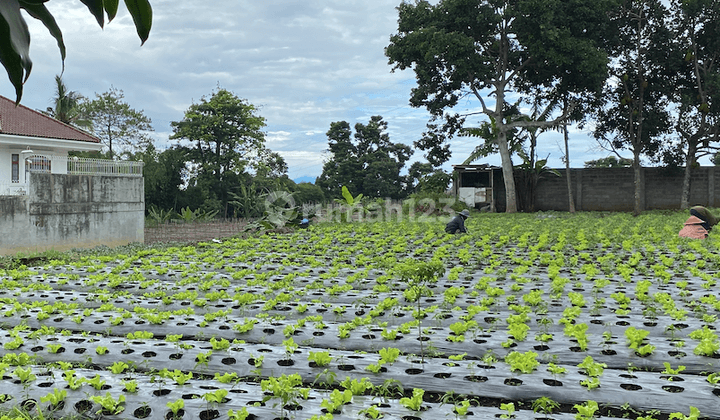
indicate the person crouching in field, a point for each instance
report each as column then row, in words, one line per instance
column 457, row 224
column 699, row 224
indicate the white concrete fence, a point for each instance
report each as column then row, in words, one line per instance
column 71, row 165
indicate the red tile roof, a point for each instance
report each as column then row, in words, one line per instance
column 23, row 121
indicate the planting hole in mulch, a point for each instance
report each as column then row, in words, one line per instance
column 255, row 403
column 442, row 375
column 161, row 392
column 191, row 396
column 269, row 331
column 716, row 392
column 46, row 384
column 318, row 333
column 28, row 405
column 127, row 351
column 672, row 378
column 5, row 398
column 541, row 347
column 630, row 387
column 575, row 349
column 369, row 336
column 142, row 412
column 552, row 382
column 285, row 362
column 677, row 354
column 479, row 341
column 476, row 378
column 346, row 368
column 513, row 382
column 433, row 397
column 672, row 388
column 149, row 354
column 293, row 407
column 228, row 361
column 622, row 323
column 627, row 376
column 83, row 406
column 176, row 356
column 175, row 416
column 410, row 418
column 37, row 349
column 609, row 352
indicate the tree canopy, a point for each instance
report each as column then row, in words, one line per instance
column 121, row 129
column 369, row 164
column 15, row 36
column 484, row 49
column 226, row 139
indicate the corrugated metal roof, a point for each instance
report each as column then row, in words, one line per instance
column 23, row 121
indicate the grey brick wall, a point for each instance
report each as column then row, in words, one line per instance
column 613, row 189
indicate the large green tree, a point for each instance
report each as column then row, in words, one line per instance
column 695, row 26
column 369, row 165
column 636, row 114
column 121, row 129
column 15, row 37
column 226, row 140
column 487, row 49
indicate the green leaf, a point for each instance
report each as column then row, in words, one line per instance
column 96, row 8
column 111, row 8
column 347, row 196
column 41, row 13
column 14, row 45
column 141, row 12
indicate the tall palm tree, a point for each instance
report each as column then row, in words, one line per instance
column 66, row 106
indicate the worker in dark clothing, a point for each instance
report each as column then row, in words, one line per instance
column 704, row 214
column 699, row 224
column 457, row 224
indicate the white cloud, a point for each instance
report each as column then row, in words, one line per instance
column 304, row 64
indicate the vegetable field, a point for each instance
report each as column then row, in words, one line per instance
column 527, row 317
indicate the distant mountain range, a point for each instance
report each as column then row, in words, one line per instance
column 310, row 179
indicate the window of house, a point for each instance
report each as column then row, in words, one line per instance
column 15, row 176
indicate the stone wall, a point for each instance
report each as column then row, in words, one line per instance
column 613, row 189
column 62, row 212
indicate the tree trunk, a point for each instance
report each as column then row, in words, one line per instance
column 636, row 172
column 507, row 168
column 571, row 200
column 689, row 162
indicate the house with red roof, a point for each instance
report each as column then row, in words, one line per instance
column 49, row 200
column 30, row 140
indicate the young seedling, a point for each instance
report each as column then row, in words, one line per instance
column 110, row 405
column 415, row 402
column 586, row 411
column 175, row 407
column 418, row 276
column 509, row 411
column 320, row 358
column 55, row 397
column 545, row 405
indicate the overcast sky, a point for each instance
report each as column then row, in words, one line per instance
column 305, row 64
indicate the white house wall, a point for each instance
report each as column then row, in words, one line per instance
column 10, row 144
